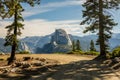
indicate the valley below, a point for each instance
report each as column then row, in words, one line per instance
column 56, row 67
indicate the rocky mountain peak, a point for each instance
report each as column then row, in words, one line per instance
column 60, row 36
column 60, row 42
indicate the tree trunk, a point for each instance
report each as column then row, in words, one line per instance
column 14, row 45
column 101, row 32
column 12, row 57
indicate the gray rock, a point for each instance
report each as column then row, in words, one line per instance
column 6, row 70
column 61, row 37
column 14, row 70
column 116, row 60
column 60, row 42
column 22, row 64
column 23, row 47
column 26, row 65
column 38, row 64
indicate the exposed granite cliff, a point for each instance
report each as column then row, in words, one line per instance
column 60, row 42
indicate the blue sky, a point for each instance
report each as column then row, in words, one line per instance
column 43, row 19
column 59, row 13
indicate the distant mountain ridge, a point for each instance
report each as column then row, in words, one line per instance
column 59, row 42
column 37, row 42
column 2, row 47
column 22, row 46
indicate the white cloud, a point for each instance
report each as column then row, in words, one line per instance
column 42, row 27
column 3, row 24
column 2, row 32
column 42, row 8
column 63, row 3
column 34, row 11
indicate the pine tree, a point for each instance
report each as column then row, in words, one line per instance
column 99, row 20
column 73, row 45
column 15, row 10
column 92, row 47
column 78, row 47
column 2, row 8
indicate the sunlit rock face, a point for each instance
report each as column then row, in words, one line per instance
column 61, row 37
column 23, row 47
column 60, row 42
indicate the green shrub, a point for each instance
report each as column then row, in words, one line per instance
column 116, row 52
column 59, row 53
column 76, row 52
column 91, row 53
column 24, row 52
column 109, row 55
column 84, row 53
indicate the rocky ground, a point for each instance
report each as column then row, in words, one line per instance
column 58, row 67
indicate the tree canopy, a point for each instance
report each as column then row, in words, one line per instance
column 99, row 20
column 14, row 9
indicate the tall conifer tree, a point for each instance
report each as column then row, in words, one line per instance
column 99, row 20
column 92, row 47
column 73, row 45
column 78, row 47
column 14, row 9
column 2, row 8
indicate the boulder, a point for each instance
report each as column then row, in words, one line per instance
column 26, row 58
column 116, row 60
column 27, row 65
column 38, row 64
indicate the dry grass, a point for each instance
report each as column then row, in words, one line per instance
column 72, row 67
column 62, row 58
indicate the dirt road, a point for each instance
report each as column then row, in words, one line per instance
column 71, row 67
column 63, row 58
column 77, row 68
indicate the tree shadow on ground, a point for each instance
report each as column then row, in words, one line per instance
column 81, row 70
column 25, row 74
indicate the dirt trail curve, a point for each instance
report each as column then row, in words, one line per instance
column 77, row 68
column 72, row 67
column 63, row 58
